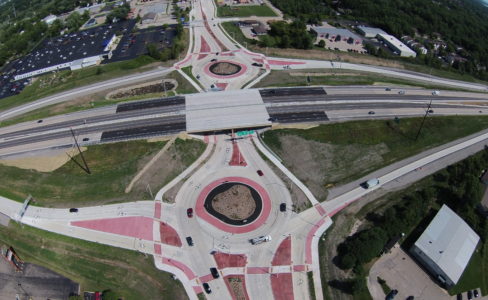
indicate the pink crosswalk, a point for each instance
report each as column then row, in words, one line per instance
column 282, row 255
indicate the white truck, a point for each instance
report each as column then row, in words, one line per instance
column 436, row 93
column 261, row 239
column 371, row 183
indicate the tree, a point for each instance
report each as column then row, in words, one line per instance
column 153, row 51
column 321, row 44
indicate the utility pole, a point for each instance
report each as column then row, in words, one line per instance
column 423, row 120
column 85, row 167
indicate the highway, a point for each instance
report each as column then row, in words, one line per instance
column 166, row 116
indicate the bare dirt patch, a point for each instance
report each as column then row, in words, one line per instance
column 319, row 165
column 224, row 68
column 43, row 163
column 142, row 89
column 235, row 203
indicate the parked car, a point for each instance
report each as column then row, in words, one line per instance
column 215, row 272
column 476, row 294
column 189, row 212
column 189, row 240
column 470, row 295
column 460, row 296
column 391, row 295
column 207, row 289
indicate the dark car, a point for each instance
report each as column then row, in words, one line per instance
column 73, row 210
column 460, row 296
column 470, row 295
column 387, row 89
column 214, row 59
column 86, row 139
column 476, row 294
column 260, row 173
column 257, row 64
column 271, row 119
column 431, row 111
column 391, row 295
column 207, row 289
column 189, row 240
column 283, row 207
column 189, row 212
column 39, row 121
column 215, row 272
column 371, row 113
column 410, row 298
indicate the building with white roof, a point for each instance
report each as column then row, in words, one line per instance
column 325, row 33
column 396, row 45
column 446, row 246
column 50, row 19
column 370, row 32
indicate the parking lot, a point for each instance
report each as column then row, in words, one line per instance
column 402, row 273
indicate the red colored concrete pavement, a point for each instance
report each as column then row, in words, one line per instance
column 198, row 289
column 282, row 285
column 157, row 249
column 320, row 209
column 243, row 282
column 222, row 85
column 206, row 278
column 188, row 272
column 308, row 243
column 299, row 268
column 225, row 260
column 136, row 227
column 284, row 63
column 204, row 215
column 169, row 235
column 257, row 270
column 157, row 210
column 237, row 157
column 282, row 255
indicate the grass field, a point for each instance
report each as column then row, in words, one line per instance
column 245, row 11
column 235, row 32
column 50, row 84
column 341, row 152
column 96, row 267
column 112, row 166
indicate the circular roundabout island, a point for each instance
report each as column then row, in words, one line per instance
column 234, row 203
column 225, row 68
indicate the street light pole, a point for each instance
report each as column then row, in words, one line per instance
column 423, row 120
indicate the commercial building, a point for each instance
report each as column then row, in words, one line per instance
column 336, row 34
column 370, row 32
column 73, row 51
column 446, row 246
column 396, row 45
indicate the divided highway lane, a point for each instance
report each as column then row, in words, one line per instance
column 167, row 125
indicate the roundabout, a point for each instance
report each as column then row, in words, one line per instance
column 234, row 205
column 225, row 69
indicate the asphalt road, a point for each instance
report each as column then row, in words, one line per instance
column 165, row 116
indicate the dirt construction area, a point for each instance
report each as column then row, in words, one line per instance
column 235, row 203
column 34, row 282
column 319, row 164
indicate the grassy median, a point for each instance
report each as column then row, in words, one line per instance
column 245, row 11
